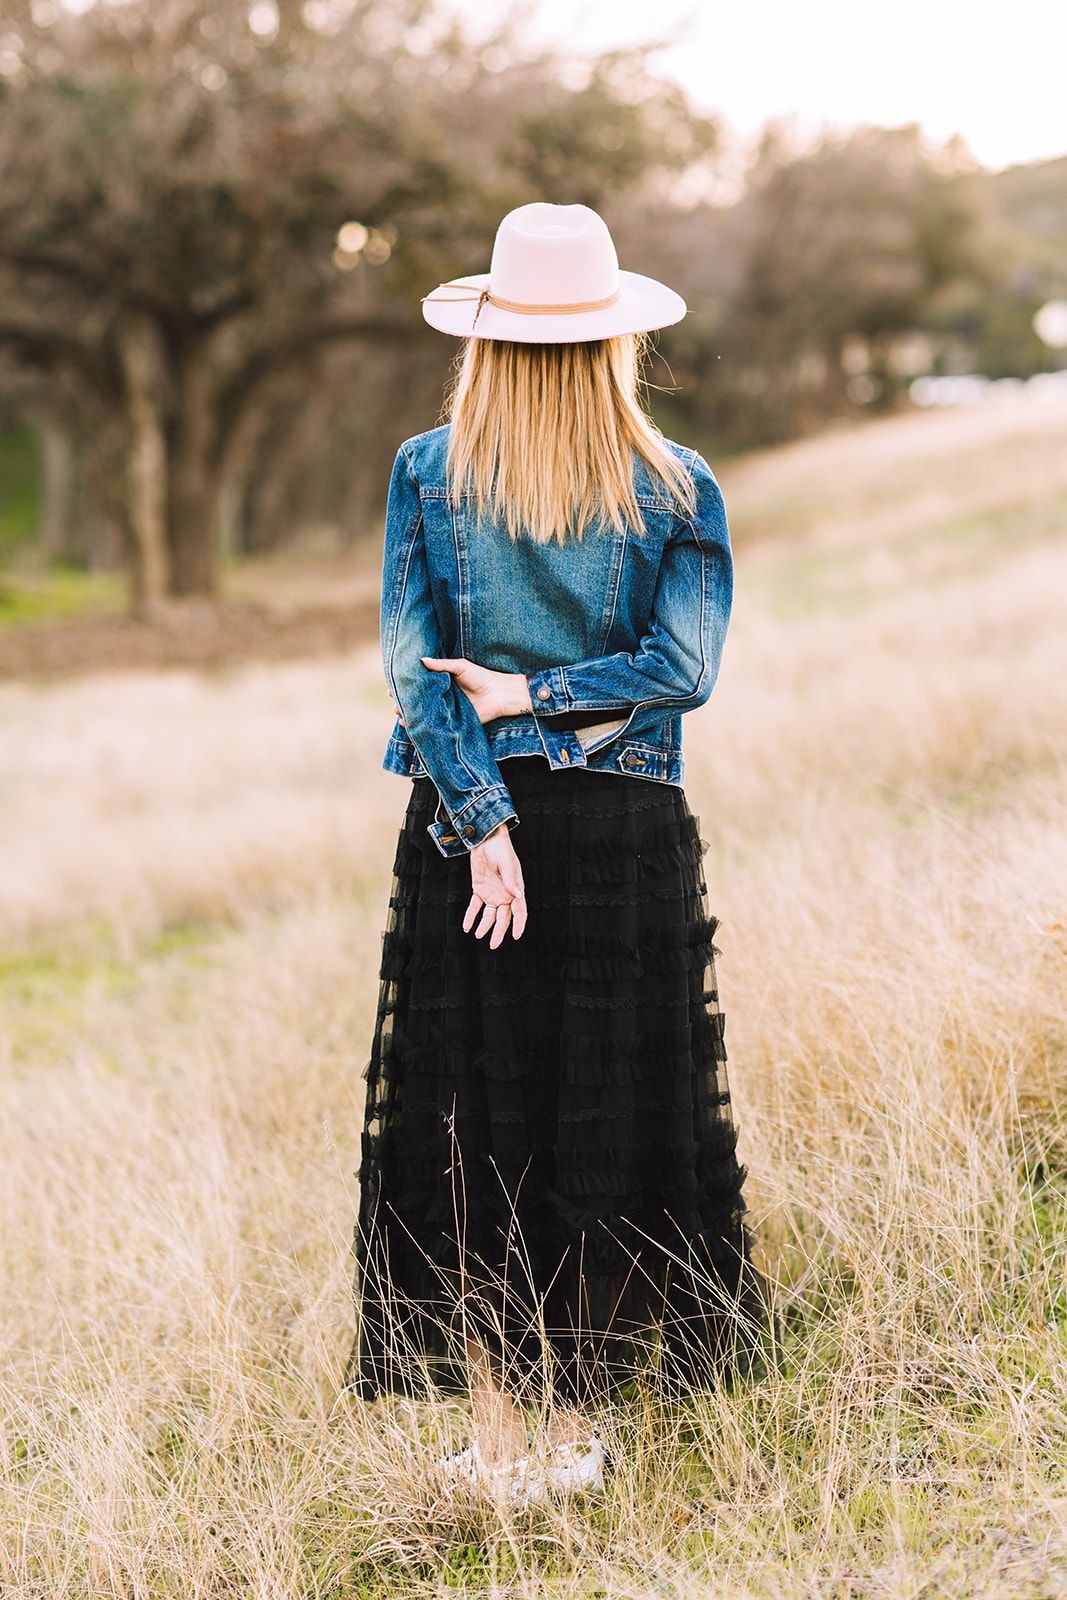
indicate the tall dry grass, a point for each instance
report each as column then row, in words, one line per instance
column 191, row 895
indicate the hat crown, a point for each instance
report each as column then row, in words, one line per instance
column 546, row 254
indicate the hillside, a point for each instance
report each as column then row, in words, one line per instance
column 192, row 893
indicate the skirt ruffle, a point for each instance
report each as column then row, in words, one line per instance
column 549, row 1159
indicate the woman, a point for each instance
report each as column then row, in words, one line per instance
column 551, row 1203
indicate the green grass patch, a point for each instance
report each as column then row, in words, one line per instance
column 60, row 592
column 20, row 488
column 44, row 986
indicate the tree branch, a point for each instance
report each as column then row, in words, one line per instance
column 245, row 385
column 50, row 348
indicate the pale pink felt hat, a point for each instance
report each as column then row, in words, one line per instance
column 554, row 278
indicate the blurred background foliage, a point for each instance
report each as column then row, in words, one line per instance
column 217, row 219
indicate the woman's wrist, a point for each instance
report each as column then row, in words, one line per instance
column 524, row 701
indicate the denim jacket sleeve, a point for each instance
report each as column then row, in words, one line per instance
column 677, row 660
column 439, row 718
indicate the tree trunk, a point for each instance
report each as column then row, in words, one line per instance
column 141, row 354
column 57, row 481
column 835, row 386
column 194, row 497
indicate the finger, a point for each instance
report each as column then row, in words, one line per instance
column 513, row 883
column 503, row 917
column 471, row 912
column 488, row 917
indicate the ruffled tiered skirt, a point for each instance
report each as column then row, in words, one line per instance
column 549, row 1158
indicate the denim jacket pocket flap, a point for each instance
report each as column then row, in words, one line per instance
column 646, row 761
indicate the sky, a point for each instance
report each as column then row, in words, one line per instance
column 995, row 74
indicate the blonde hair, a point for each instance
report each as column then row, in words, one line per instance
column 543, row 435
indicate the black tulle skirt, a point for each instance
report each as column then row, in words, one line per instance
column 549, row 1157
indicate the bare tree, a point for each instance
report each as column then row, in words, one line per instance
column 847, row 240
column 201, row 201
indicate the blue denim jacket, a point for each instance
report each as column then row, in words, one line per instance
column 618, row 633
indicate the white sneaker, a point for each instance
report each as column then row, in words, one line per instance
column 525, row 1484
column 574, row 1467
column 519, row 1482
column 464, row 1466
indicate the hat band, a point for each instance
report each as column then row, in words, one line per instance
column 526, row 307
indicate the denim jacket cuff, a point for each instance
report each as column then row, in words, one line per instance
column 548, row 692
column 549, row 697
column 474, row 822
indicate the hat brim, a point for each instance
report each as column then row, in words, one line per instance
column 643, row 304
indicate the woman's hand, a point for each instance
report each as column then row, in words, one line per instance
column 492, row 694
column 498, row 891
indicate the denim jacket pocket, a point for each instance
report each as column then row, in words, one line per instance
column 650, row 761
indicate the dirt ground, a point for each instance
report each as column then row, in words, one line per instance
column 200, row 634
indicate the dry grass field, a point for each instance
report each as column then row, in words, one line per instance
column 192, row 886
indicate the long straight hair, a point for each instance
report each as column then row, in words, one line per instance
column 542, row 436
